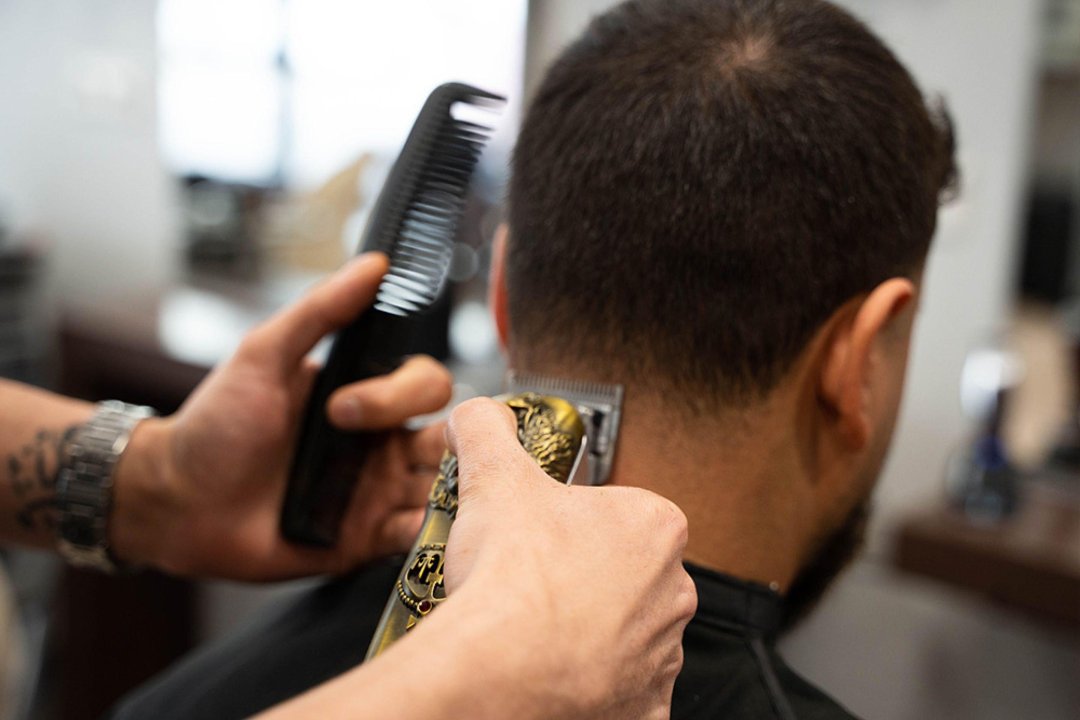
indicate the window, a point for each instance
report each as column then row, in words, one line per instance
column 275, row 92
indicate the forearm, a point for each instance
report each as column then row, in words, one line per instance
column 34, row 426
column 461, row 662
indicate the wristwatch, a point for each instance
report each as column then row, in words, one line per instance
column 85, row 482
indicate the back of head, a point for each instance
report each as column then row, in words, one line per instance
column 699, row 184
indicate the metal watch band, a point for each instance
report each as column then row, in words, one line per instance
column 85, row 482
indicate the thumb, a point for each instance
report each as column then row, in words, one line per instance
column 482, row 433
column 291, row 333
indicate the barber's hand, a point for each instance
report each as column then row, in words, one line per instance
column 589, row 582
column 200, row 493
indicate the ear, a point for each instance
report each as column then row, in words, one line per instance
column 864, row 360
column 497, row 297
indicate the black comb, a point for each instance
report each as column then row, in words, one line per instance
column 414, row 221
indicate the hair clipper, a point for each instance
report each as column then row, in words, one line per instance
column 568, row 427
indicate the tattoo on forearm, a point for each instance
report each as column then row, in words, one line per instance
column 32, row 472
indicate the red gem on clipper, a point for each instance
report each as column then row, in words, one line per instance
column 424, row 607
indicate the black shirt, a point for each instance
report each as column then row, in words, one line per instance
column 731, row 668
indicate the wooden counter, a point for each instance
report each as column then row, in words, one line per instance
column 1029, row 562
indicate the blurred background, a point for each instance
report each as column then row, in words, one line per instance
column 171, row 171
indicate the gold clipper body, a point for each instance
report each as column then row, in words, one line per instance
column 552, row 431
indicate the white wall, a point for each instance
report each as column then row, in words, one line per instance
column 887, row 645
column 982, row 59
column 78, row 148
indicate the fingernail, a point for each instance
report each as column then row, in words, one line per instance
column 348, row 411
column 354, row 265
column 367, row 258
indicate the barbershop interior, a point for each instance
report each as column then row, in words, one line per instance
column 174, row 172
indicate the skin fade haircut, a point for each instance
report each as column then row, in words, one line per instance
column 699, row 184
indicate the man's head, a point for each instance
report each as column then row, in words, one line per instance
column 727, row 204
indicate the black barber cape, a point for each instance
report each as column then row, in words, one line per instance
column 731, row 668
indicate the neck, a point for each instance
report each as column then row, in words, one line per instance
column 738, row 489
column 739, row 480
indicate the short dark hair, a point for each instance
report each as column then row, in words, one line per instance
column 699, row 184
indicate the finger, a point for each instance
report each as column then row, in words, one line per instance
column 483, row 435
column 415, row 491
column 290, row 334
column 421, row 385
column 400, row 530
column 304, row 379
column 425, row 447
column 687, row 603
column 391, row 481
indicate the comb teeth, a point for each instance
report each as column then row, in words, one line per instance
column 420, row 243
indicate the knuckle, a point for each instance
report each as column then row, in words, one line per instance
column 661, row 510
column 688, row 599
column 672, row 519
column 677, row 658
column 681, row 528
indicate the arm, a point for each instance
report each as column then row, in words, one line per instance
column 451, row 666
column 34, row 425
column 199, row 493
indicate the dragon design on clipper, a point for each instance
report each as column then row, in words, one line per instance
column 550, row 429
column 443, row 494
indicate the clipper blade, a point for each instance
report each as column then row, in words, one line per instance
column 600, row 406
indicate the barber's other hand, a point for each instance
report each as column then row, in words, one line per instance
column 200, row 493
column 589, row 582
